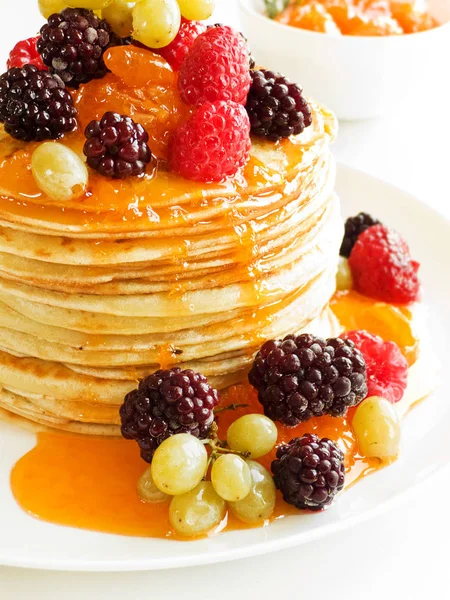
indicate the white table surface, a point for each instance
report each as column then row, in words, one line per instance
column 402, row 555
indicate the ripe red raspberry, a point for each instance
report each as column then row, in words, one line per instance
column 25, row 53
column 213, row 144
column 382, row 266
column 387, row 368
column 176, row 51
column 216, row 68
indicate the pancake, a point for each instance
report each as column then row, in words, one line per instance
column 98, row 292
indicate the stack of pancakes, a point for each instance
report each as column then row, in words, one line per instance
column 100, row 292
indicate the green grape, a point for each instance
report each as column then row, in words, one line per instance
column 197, row 10
column 119, row 15
column 197, row 512
column 377, row 428
column 92, row 4
column 254, row 433
column 344, row 279
column 147, row 490
column 58, row 171
column 231, row 477
column 179, row 464
column 259, row 504
column 156, row 22
column 48, row 7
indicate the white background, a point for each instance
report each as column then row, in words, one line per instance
column 403, row 555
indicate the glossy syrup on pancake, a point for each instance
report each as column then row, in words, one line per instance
column 52, row 478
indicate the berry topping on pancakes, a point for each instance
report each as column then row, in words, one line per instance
column 116, row 146
column 213, row 144
column 72, row 44
column 177, row 50
column 276, row 106
column 25, row 53
column 34, row 104
column 216, row 68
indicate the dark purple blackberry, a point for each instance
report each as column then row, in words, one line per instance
column 72, row 44
column 116, row 146
column 304, row 376
column 34, row 105
column 309, row 472
column 165, row 403
column 354, row 226
column 276, row 106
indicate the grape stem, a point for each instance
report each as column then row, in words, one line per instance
column 219, row 446
column 233, row 406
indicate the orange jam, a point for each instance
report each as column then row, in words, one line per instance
column 359, row 17
column 91, row 482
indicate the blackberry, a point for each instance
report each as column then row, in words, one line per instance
column 354, row 226
column 116, row 146
column 276, row 106
column 309, row 471
column 304, row 376
column 72, row 44
column 165, row 403
column 34, row 105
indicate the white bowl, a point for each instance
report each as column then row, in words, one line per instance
column 357, row 77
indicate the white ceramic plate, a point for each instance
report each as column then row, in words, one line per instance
column 27, row 542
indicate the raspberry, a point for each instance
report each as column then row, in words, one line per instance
column 387, row 368
column 25, row 53
column 116, row 146
column 34, row 105
column 276, row 106
column 72, row 44
column 251, row 60
column 177, row 50
column 216, row 68
column 304, row 376
column 213, row 144
column 354, row 226
column 382, row 267
column 309, row 471
column 165, row 403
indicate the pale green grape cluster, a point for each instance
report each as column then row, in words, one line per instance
column 259, row 503
column 196, row 10
column 59, row 171
column 377, row 428
column 119, row 15
column 254, row 435
column 147, row 490
column 231, row 477
column 180, row 466
column 198, row 511
column 344, row 279
column 91, row 4
column 48, row 7
column 154, row 23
